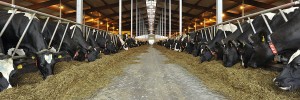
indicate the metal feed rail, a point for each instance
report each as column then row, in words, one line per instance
column 34, row 12
column 251, row 15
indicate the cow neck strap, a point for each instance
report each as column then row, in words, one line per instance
column 209, row 50
column 272, row 46
column 235, row 44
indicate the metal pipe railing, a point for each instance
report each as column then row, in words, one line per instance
column 62, row 39
column 23, row 34
column 257, row 13
column 8, row 21
column 39, row 13
column 15, row 7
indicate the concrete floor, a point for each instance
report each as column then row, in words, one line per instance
column 152, row 79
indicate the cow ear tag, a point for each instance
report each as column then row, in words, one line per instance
column 59, row 56
column 20, row 66
column 263, row 39
column 32, row 57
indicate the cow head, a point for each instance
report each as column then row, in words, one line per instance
column 230, row 55
column 289, row 78
column 45, row 62
column 111, row 47
column 207, row 54
column 92, row 54
column 245, row 51
column 219, row 50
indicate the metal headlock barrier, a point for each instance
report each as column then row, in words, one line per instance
column 212, row 29
column 85, row 28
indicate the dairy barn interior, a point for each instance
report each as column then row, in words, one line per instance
column 149, row 49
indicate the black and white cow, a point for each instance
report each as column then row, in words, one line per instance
column 33, row 43
column 90, row 38
column 289, row 78
column 276, row 43
column 243, row 44
column 231, row 55
column 131, row 42
column 210, row 50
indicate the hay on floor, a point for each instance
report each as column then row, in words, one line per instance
column 73, row 80
column 236, row 83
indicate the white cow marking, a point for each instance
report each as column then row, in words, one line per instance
column 48, row 58
column 250, row 20
column 20, row 52
column 228, row 27
column 270, row 15
column 6, row 66
column 52, row 49
column 296, row 54
column 28, row 15
column 289, row 10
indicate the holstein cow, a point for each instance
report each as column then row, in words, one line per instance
column 244, row 42
column 74, row 44
column 90, row 38
column 131, row 42
column 210, row 50
column 195, row 40
column 289, row 78
column 5, row 68
column 231, row 55
column 121, row 44
column 33, row 43
column 276, row 44
column 189, row 45
column 202, row 42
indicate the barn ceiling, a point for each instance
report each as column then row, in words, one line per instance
column 106, row 11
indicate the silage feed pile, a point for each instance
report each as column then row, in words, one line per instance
column 73, row 80
column 236, row 83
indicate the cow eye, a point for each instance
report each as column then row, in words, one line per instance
column 297, row 65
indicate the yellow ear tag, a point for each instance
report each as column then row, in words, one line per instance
column 263, row 39
column 32, row 57
column 19, row 66
column 59, row 56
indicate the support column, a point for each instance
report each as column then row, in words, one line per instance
column 170, row 25
column 162, row 22
column 139, row 24
column 136, row 18
column 180, row 17
column 195, row 26
column 219, row 11
column 165, row 22
column 79, row 11
column 131, row 16
column 120, row 17
column 161, row 25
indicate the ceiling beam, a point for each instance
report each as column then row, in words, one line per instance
column 46, row 4
column 255, row 3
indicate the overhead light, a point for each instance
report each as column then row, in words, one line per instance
column 223, row 15
column 201, row 23
column 101, row 23
column 242, row 7
column 61, row 7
